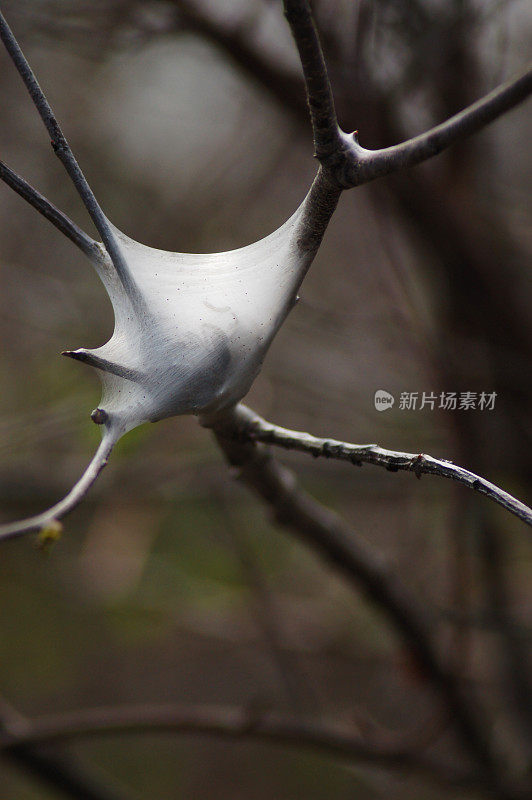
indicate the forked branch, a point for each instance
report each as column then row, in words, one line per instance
column 58, row 770
column 340, row 153
column 327, row 738
column 348, row 553
column 253, row 427
column 66, row 156
column 88, row 246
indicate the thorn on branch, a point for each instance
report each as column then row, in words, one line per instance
column 104, row 364
column 417, row 466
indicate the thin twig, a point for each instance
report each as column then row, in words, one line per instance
column 66, row 156
column 234, row 723
column 46, row 518
column 88, row 246
column 365, row 165
column 252, row 426
column 340, row 546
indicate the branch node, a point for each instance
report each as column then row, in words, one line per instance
column 326, row 449
column 99, row 416
column 417, row 466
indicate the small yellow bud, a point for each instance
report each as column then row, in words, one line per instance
column 49, row 534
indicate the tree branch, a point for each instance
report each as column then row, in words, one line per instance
column 327, row 136
column 88, row 246
column 340, row 153
column 49, row 517
column 59, row 771
column 366, row 165
column 283, row 85
column 66, row 156
column 234, row 723
column 268, row 619
column 341, row 547
column 515, row 657
column 254, row 428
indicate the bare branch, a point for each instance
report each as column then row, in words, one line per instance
column 366, row 165
column 88, row 246
column 41, row 521
column 234, row 723
column 327, row 139
column 279, row 82
column 345, row 160
column 347, row 552
column 515, row 659
column 269, row 620
column 340, row 153
column 65, row 155
column 253, row 427
column 60, row 771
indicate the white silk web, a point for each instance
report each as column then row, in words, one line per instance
column 191, row 331
column 197, row 339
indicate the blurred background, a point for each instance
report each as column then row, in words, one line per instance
column 171, row 582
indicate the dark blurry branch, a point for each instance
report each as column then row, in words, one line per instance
column 254, row 428
column 461, row 582
column 62, row 774
column 514, row 650
column 347, row 552
column 59, row 771
column 88, row 246
column 66, row 156
column 47, row 518
column 236, row 723
column 262, row 68
column 268, row 620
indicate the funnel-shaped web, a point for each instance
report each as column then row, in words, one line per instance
column 191, row 331
column 195, row 341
